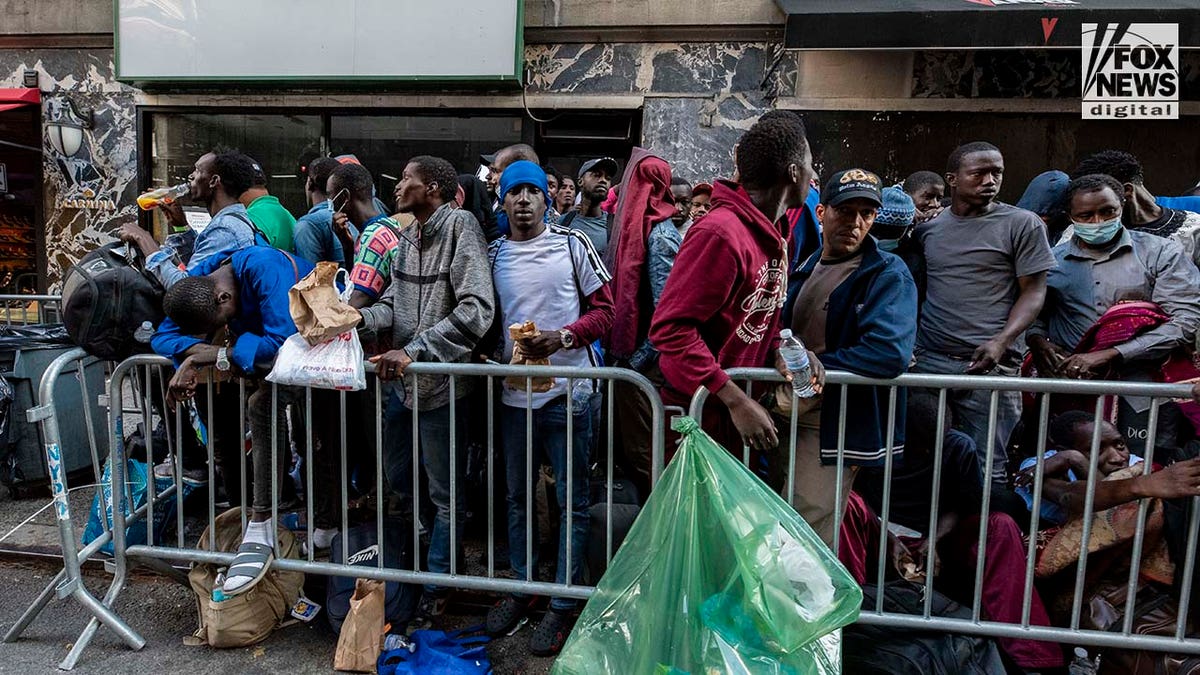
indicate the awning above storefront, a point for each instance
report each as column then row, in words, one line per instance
column 971, row 24
column 16, row 98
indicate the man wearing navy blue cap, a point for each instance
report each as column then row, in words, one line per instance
column 553, row 277
column 855, row 308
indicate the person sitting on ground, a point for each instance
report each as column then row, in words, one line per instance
column 1044, row 197
column 553, row 277
column 246, row 294
column 1071, row 431
column 1139, row 210
column 351, row 190
column 956, row 530
column 267, row 213
column 926, row 189
column 315, row 240
column 439, row 304
column 595, row 179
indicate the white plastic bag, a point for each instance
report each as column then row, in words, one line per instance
column 335, row 364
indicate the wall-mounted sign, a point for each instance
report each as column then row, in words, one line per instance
column 87, row 198
column 179, row 41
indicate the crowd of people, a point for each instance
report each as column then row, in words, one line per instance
column 1087, row 276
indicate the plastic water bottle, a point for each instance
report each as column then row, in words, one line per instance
column 397, row 641
column 796, row 357
column 1082, row 665
column 144, row 332
column 164, row 195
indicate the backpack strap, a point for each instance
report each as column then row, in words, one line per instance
column 295, row 269
column 266, row 241
column 567, row 217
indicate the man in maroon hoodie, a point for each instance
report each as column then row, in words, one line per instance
column 722, row 303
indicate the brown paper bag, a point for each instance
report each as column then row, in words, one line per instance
column 361, row 638
column 319, row 313
column 539, row 385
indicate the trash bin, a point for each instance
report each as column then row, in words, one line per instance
column 25, row 353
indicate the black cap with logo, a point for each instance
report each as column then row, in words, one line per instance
column 852, row 184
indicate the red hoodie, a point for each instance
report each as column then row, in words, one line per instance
column 722, row 303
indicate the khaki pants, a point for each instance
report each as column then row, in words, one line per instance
column 815, row 484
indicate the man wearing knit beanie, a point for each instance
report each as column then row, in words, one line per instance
column 893, row 229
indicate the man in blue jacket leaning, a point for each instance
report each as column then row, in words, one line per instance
column 247, row 295
column 855, row 307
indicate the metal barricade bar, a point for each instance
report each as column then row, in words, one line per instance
column 977, row 625
column 155, row 550
column 48, row 309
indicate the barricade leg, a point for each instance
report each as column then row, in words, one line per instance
column 68, row 582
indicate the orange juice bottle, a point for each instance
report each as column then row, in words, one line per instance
column 166, row 195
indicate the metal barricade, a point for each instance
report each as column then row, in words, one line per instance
column 978, row 625
column 458, row 376
column 20, row 310
column 68, row 582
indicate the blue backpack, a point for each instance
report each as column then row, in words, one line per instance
column 460, row 652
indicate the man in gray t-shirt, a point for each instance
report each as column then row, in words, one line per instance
column 987, row 265
column 595, row 180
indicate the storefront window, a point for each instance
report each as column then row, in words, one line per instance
column 280, row 143
column 384, row 144
column 20, row 192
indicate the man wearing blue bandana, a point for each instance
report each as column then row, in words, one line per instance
column 553, row 277
column 1102, row 264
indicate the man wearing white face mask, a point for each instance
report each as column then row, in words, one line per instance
column 1103, row 264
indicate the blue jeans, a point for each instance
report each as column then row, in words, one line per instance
column 550, row 443
column 434, row 433
column 970, row 408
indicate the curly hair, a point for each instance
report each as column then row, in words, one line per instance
column 954, row 162
column 236, row 171
column 355, row 178
column 1120, row 165
column 775, row 142
column 1064, row 425
column 1093, row 182
column 192, row 304
column 440, row 171
column 319, row 171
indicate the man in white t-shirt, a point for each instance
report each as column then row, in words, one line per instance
column 553, row 277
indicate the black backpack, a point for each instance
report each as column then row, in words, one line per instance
column 106, row 297
column 400, row 600
column 883, row 650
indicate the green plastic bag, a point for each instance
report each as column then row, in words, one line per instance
column 717, row 575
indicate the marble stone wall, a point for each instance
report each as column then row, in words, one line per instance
column 699, row 97
column 89, row 195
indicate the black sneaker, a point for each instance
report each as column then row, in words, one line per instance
column 506, row 615
column 551, row 632
column 432, row 604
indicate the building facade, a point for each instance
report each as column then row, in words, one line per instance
column 684, row 79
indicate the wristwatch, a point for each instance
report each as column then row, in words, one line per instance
column 567, row 337
column 223, row 359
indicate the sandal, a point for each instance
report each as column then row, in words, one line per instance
column 251, row 564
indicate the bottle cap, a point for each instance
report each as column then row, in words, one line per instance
column 785, row 333
column 1081, row 653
